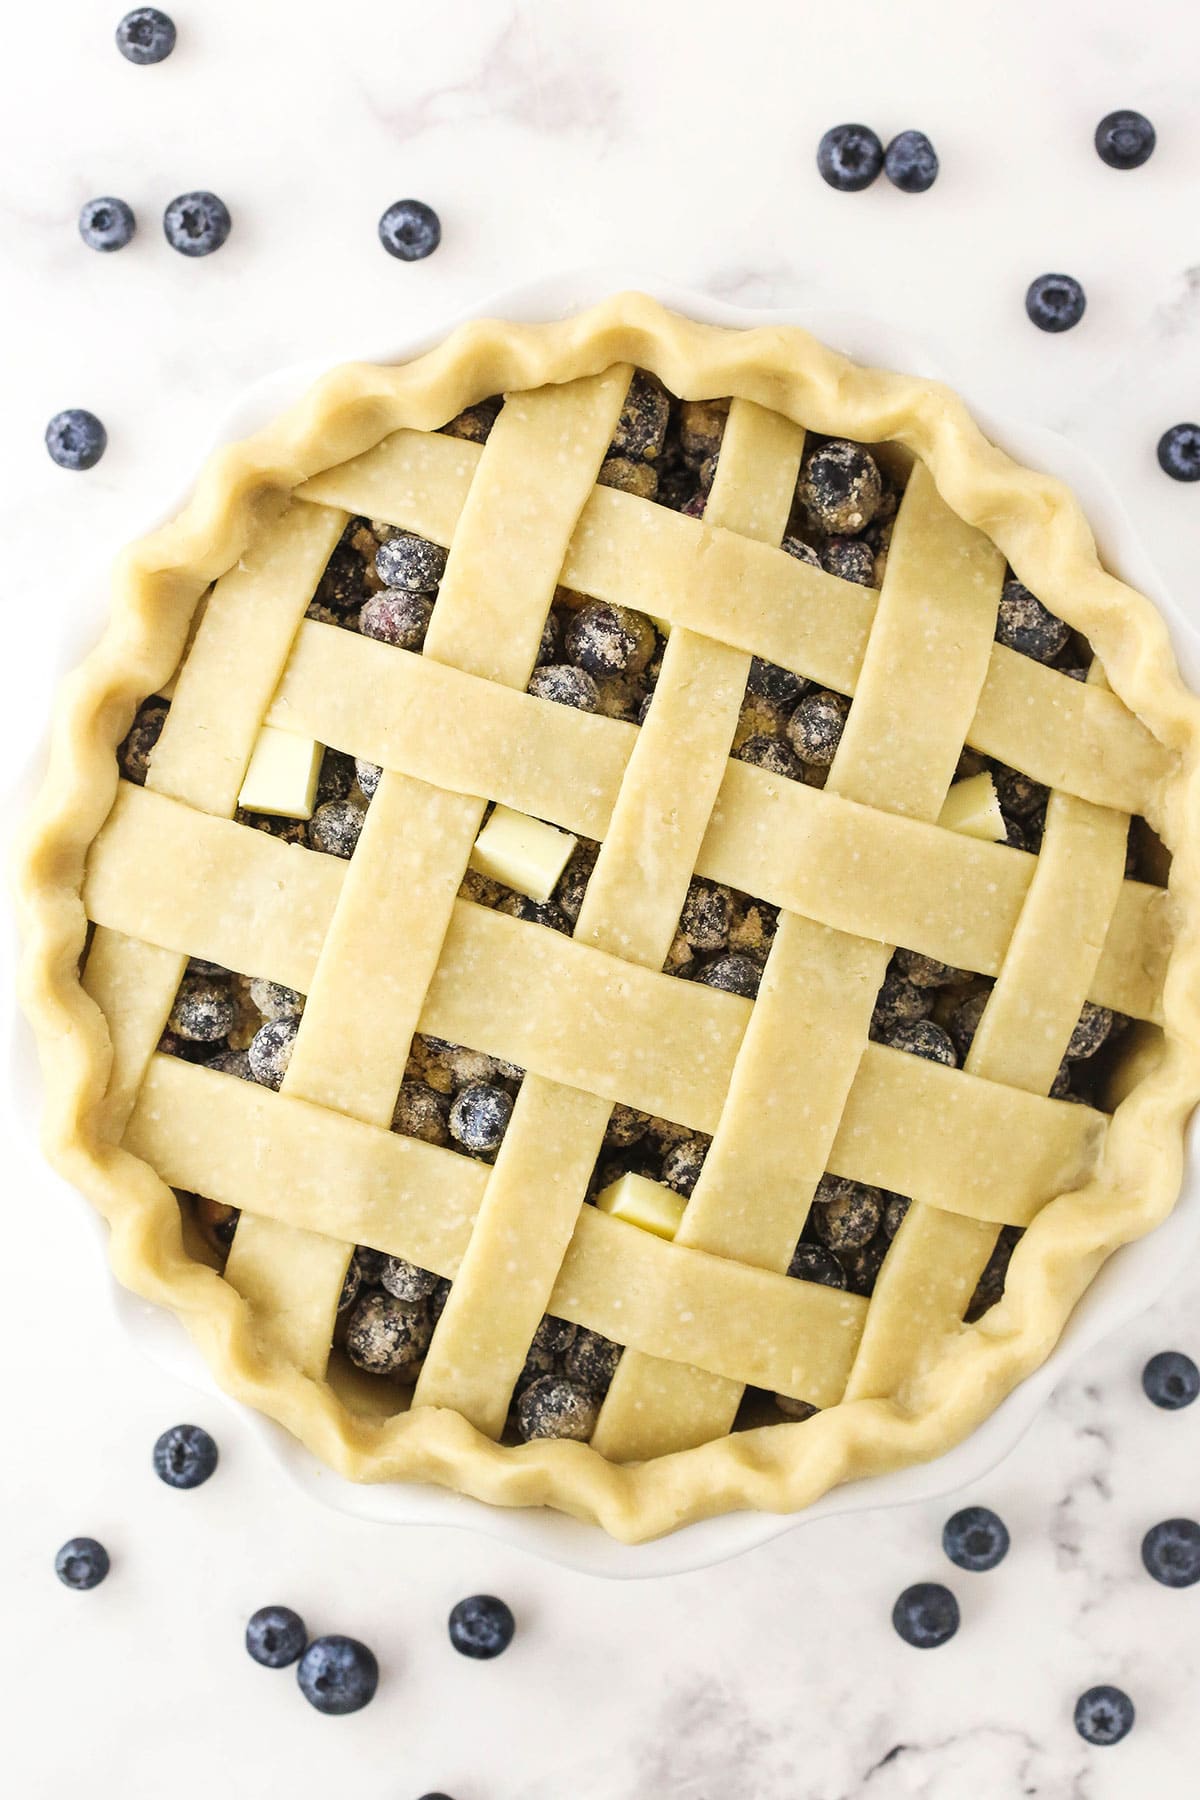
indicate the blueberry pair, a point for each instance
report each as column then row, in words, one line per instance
column 195, row 224
column 849, row 157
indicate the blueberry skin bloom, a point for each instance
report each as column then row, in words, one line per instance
column 196, row 224
column 337, row 1674
column 275, row 1636
column 975, row 1538
column 106, row 223
column 185, row 1456
column 82, row 1563
column 926, row 1615
column 1055, row 302
column 410, row 230
column 910, row 162
column 1125, row 139
column 146, row 35
column 849, row 157
column 76, row 439
column 481, row 1627
column 1104, row 1715
column 1171, row 1552
column 1179, row 455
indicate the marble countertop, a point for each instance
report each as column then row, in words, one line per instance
column 677, row 138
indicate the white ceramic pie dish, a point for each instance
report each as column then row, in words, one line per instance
column 1128, row 1283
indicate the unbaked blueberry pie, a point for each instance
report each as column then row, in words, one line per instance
column 613, row 923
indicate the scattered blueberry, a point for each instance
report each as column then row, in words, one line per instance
column 926, row 1615
column 910, row 162
column 106, row 223
column 146, row 35
column 410, row 230
column 1171, row 1380
column 1179, row 452
column 196, row 224
column 76, row 439
column 975, row 1538
column 275, row 1636
column 185, row 1456
column 82, row 1563
column 1055, row 302
column 849, row 157
column 337, row 1674
column 1171, row 1552
column 1104, row 1715
column 1125, row 140
column 481, row 1627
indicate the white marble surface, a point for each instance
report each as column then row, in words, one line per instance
column 676, row 137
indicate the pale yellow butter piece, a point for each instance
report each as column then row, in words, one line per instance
column 523, row 853
column 282, row 776
column 973, row 808
column 645, row 1203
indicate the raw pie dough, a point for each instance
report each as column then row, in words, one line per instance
column 788, row 1086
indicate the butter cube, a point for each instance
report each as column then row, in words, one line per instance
column 645, row 1203
column 972, row 807
column 282, row 776
column 523, row 853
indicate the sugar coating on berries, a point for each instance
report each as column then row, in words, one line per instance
column 410, row 563
column 405, row 1280
column 270, row 1051
column 591, row 1361
column 565, row 686
column 479, row 1117
column 274, row 1001
column 732, row 974
column 815, row 727
column 203, row 1012
column 553, row 1407
column 626, row 1127
column 605, row 639
column 367, row 775
column 335, row 827
column 802, row 552
column 840, row 488
column 770, row 682
column 701, row 428
column 1091, row 1029
column 813, row 1262
column 133, row 755
column 850, row 559
column 771, row 754
column 845, row 1214
column 926, row 971
column 386, row 1336
column 422, row 1113
column 642, row 426
column 393, row 616
column 704, row 920
column 683, row 1162
column 921, row 1037
column 1025, row 625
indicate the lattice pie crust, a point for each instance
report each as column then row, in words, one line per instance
column 788, row 1086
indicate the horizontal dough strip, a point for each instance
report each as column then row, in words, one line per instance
column 594, row 1022
column 287, row 1160
column 877, row 875
column 636, row 553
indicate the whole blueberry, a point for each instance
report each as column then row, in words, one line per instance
column 76, row 439
column 106, row 223
column 849, row 157
column 185, row 1456
column 146, row 35
column 1103, row 1715
column 975, row 1538
column 82, row 1563
column 1171, row 1552
column 196, row 224
column 481, row 1627
column 1179, row 452
column 337, row 1674
column 926, row 1615
column 1171, row 1380
column 1125, row 139
column 275, row 1636
column 410, row 230
column 1055, row 302
column 910, row 162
